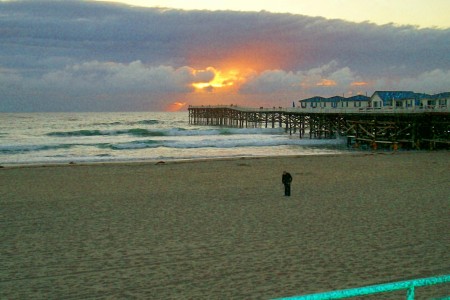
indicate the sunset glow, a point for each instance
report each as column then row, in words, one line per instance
column 221, row 80
column 359, row 83
column 176, row 106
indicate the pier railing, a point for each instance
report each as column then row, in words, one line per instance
column 408, row 285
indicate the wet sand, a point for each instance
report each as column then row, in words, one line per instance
column 222, row 229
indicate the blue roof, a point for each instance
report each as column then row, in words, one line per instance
column 441, row 95
column 335, row 99
column 394, row 95
column 388, row 96
column 314, row 99
column 359, row 98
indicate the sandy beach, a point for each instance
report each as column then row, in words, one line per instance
column 222, row 229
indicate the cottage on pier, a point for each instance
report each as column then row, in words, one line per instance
column 396, row 99
column 358, row 101
column 441, row 100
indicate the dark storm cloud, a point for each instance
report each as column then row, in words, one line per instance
column 55, row 53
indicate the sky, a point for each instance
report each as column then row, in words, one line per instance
column 75, row 55
column 431, row 13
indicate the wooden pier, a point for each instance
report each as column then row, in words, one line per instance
column 416, row 129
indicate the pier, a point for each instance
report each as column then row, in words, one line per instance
column 385, row 127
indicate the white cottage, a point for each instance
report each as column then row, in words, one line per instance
column 358, row 101
column 393, row 99
column 440, row 101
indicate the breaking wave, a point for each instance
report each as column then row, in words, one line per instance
column 221, row 143
column 30, row 148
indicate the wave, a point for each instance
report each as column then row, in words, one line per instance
column 135, row 145
column 147, row 122
column 29, row 148
column 108, row 124
column 76, row 133
column 141, row 122
column 96, row 132
column 142, row 132
column 223, row 143
column 254, row 142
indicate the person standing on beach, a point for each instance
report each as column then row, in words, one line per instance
column 287, row 179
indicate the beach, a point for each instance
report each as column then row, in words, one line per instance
column 222, row 229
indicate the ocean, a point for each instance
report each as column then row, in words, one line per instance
column 45, row 138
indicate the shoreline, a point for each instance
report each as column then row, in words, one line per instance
column 191, row 160
column 154, row 161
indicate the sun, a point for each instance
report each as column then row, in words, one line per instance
column 224, row 79
column 221, row 79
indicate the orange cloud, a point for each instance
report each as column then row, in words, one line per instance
column 359, row 83
column 327, row 82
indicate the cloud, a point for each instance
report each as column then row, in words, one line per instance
column 118, row 77
column 326, row 79
column 94, row 80
column 272, row 81
column 435, row 81
column 85, row 55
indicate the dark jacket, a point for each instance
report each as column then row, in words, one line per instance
column 286, row 178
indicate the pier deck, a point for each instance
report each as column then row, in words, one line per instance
column 417, row 129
